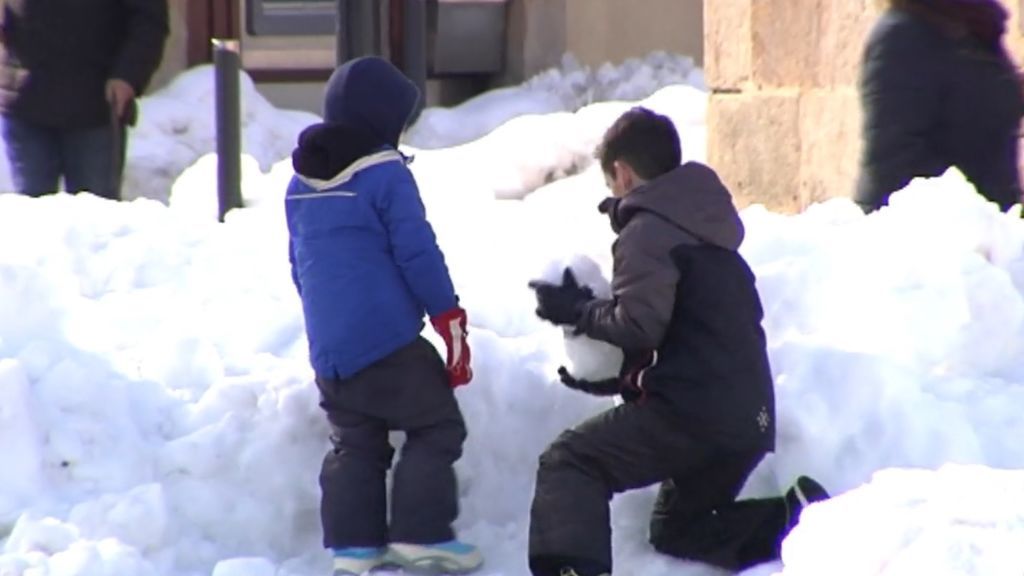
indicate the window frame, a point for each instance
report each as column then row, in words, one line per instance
column 291, row 17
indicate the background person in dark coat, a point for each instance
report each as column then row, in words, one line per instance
column 700, row 409
column 939, row 90
column 70, row 73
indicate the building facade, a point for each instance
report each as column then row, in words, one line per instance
column 289, row 46
column 783, row 119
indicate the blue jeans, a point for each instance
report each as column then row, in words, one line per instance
column 90, row 159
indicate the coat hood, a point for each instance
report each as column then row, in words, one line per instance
column 691, row 197
column 370, row 95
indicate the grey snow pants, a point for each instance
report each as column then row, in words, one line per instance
column 627, row 447
column 406, row 391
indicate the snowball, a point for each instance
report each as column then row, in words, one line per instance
column 589, row 359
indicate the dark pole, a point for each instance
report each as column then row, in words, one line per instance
column 362, row 28
column 414, row 47
column 341, row 32
column 227, row 67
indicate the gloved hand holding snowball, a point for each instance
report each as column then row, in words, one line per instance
column 562, row 291
column 561, row 304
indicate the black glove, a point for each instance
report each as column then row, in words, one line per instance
column 561, row 304
column 606, row 387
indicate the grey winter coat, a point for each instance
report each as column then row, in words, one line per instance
column 681, row 288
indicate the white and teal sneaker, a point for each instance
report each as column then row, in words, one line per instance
column 452, row 557
column 357, row 560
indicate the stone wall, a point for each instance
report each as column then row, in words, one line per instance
column 784, row 117
column 599, row 31
column 613, row 30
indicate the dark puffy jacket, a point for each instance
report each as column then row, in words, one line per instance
column 364, row 257
column 935, row 97
column 59, row 55
column 681, row 288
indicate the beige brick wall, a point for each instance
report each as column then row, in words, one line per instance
column 829, row 135
column 598, row 31
column 728, row 44
column 757, row 125
column 613, row 30
column 1016, row 38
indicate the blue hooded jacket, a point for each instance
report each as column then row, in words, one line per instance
column 364, row 257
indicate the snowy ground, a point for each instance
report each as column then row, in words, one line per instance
column 157, row 416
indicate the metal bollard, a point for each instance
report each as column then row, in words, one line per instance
column 414, row 48
column 227, row 66
column 358, row 29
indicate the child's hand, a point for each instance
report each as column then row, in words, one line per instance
column 561, row 304
column 451, row 325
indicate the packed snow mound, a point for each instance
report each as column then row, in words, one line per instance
column 547, row 161
column 159, row 418
column 958, row 520
column 566, row 88
column 157, row 415
column 528, row 152
column 895, row 337
column 530, row 134
column 177, row 126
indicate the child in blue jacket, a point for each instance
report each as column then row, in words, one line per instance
column 368, row 269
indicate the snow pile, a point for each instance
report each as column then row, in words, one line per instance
column 155, row 390
column 157, row 415
column 566, row 88
column 545, row 160
column 895, row 338
column 528, row 152
column 960, row 520
column 177, row 125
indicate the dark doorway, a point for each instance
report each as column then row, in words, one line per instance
column 209, row 19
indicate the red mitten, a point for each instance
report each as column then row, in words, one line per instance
column 451, row 325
